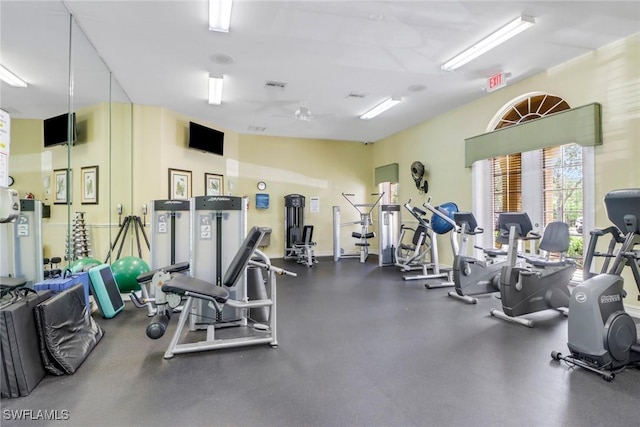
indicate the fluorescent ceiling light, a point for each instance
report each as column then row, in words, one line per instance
column 220, row 15
column 380, row 108
column 503, row 34
column 10, row 78
column 215, row 89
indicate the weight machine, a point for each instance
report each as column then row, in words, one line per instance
column 389, row 227
column 293, row 224
column 23, row 239
column 362, row 236
column 219, row 225
column 220, row 297
column 170, row 228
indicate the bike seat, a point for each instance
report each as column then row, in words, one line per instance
column 495, row 252
column 542, row 263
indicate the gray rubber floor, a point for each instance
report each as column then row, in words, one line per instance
column 358, row 347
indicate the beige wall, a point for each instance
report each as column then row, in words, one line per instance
column 313, row 168
column 610, row 76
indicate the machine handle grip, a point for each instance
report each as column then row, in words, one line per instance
column 277, row 270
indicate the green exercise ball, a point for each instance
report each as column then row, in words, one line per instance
column 82, row 264
column 126, row 269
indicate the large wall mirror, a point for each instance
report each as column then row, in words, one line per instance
column 43, row 44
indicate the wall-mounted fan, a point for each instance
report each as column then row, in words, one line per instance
column 417, row 172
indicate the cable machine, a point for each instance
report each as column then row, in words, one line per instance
column 293, row 223
column 362, row 237
column 22, row 239
column 218, row 227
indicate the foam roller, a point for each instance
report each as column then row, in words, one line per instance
column 158, row 326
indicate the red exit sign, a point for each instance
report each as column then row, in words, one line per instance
column 496, row 81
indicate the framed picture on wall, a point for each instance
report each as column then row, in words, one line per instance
column 62, row 186
column 89, row 185
column 213, row 184
column 179, row 184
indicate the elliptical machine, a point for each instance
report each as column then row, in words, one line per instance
column 603, row 338
column 442, row 223
column 472, row 276
column 412, row 256
column 543, row 286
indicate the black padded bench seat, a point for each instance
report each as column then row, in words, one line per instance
column 181, row 283
column 174, row 268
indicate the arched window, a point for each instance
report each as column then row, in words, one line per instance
column 547, row 184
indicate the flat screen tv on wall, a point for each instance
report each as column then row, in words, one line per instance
column 56, row 130
column 206, row 139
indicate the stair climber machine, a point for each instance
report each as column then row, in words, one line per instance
column 602, row 337
column 441, row 223
column 543, row 284
column 472, row 276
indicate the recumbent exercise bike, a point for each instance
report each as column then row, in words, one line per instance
column 543, row 284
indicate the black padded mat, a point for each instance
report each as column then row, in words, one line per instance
column 22, row 368
column 68, row 333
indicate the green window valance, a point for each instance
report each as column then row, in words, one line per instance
column 582, row 125
column 386, row 173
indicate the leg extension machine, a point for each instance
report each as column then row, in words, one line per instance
column 218, row 296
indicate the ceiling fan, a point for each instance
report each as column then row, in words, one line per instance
column 303, row 114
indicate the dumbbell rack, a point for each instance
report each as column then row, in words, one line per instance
column 80, row 246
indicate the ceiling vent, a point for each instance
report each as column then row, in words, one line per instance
column 257, row 128
column 356, row 95
column 273, row 85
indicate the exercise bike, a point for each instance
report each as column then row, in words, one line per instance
column 602, row 337
column 544, row 284
column 472, row 276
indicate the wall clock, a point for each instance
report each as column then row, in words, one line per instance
column 262, row 186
